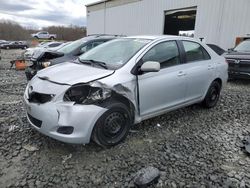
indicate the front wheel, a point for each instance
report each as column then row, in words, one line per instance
column 113, row 126
column 213, row 95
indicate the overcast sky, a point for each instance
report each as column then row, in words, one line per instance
column 41, row 13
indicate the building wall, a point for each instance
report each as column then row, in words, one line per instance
column 218, row 21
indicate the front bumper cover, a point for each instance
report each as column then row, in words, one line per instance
column 48, row 117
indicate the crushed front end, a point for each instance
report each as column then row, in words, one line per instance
column 51, row 114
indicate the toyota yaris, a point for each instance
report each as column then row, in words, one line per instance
column 121, row 83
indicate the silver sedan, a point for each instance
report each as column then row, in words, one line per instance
column 121, row 83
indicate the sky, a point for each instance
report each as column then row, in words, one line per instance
column 42, row 13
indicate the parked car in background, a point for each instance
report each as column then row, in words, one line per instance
column 238, row 59
column 3, row 42
column 44, row 45
column 120, row 83
column 14, row 45
column 44, row 58
column 44, row 35
column 217, row 49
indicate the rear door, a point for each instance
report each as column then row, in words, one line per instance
column 166, row 88
column 200, row 70
column 43, row 35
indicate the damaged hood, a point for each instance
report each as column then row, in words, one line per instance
column 42, row 53
column 73, row 73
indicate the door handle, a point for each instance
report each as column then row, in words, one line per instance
column 181, row 73
column 210, row 67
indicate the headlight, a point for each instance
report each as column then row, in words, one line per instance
column 85, row 94
column 46, row 64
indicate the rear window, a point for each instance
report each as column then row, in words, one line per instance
column 195, row 52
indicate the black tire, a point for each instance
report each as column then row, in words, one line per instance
column 51, row 38
column 113, row 126
column 213, row 95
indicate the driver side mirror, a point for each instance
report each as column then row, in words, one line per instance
column 150, row 66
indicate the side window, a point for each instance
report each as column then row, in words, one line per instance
column 86, row 48
column 54, row 44
column 166, row 53
column 195, row 52
column 94, row 44
column 89, row 46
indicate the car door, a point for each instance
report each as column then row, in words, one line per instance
column 43, row 35
column 15, row 45
column 199, row 69
column 166, row 88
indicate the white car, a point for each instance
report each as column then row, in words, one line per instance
column 120, row 83
column 44, row 35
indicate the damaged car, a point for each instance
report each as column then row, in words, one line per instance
column 121, row 83
column 45, row 58
column 43, row 45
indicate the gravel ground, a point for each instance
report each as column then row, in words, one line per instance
column 192, row 147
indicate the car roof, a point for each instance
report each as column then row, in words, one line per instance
column 98, row 37
column 159, row 37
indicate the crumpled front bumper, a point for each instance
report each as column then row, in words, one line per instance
column 48, row 117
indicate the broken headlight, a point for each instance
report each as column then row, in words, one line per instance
column 85, row 94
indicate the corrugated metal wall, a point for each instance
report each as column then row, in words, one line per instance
column 218, row 21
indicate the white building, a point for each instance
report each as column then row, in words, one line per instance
column 217, row 21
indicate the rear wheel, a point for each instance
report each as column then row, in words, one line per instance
column 213, row 95
column 51, row 38
column 113, row 126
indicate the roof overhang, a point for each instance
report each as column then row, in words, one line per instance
column 104, row 4
column 96, row 3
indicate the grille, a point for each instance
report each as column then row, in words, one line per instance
column 245, row 61
column 36, row 122
column 238, row 61
column 231, row 61
column 40, row 98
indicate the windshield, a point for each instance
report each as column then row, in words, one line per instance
column 115, row 53
column 243, row 47
column 71, row 47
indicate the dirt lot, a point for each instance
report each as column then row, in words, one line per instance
column 192, row 147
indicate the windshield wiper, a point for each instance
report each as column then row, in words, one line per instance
column 93, row 62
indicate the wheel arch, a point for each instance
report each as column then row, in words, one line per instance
column 219, row 80
column 116, row 97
